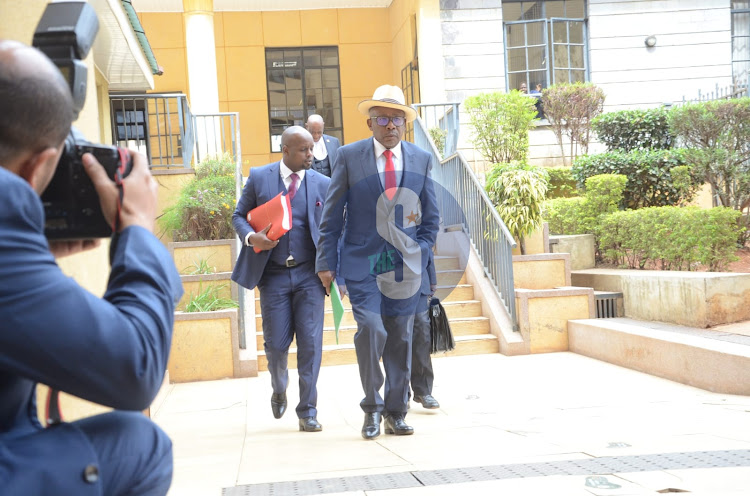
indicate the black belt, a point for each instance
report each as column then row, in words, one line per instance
column 288, row 263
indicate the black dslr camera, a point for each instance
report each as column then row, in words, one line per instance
column 72, row 210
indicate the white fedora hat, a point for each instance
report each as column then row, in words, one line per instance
column 390, row 97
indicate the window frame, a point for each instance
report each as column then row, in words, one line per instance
column 548, row 32
column 746, row 61
column 337, row 131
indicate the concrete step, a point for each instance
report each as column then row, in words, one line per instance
column 446, row 263
column 462, row 292
column 344, row 354
column 711, row 359
column 469, row 326
column 450, row 277
column 453, row 309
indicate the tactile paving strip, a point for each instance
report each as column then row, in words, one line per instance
column 591, row 466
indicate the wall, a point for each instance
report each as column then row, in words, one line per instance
column 693, row 49
column 363, row 37
column 693, row 52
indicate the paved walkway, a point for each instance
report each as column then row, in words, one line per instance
column 554, row 424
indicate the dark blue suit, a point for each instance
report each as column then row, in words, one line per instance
column 325, row 166
column 422, row 376
column 111, row 350
column 292, row 299
column 383, row 254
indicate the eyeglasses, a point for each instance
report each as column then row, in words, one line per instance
column 383, row 120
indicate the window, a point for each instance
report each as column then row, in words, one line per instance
column 410, row 85
column 301, row 82
column 740, row 41
column 545, row 43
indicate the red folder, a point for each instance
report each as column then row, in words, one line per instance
column 277, row 212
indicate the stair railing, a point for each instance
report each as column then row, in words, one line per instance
column 467, row 204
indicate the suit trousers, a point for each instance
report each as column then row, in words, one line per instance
column 130, row 456
column 292, row 302
column 421, row 363
column 384, row 330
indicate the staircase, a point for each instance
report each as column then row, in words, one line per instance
column 471, row 329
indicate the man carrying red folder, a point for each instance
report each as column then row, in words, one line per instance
column 292, row 298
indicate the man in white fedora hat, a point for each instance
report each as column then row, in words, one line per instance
column 384, row 186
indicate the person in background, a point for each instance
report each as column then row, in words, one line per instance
column 110, row 350
column 422, row 375
column 292, row 299
column 522, row 88
column 325, row 148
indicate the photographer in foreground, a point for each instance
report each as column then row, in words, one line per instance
column 111, row 350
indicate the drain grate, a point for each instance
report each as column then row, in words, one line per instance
column 593, row 466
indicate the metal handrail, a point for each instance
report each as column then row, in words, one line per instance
column 445, row 117
column 463, row 201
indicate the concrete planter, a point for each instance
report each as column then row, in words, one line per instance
column 205, row 347
column 220, row 254
column 581, row 247
column 695, row 299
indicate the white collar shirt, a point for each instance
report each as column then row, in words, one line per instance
column 286, row 174
column 319, row 149
column 397, row 158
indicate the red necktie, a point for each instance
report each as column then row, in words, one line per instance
column 292, row 187
column 390, row 175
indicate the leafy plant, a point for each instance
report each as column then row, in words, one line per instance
column 584, row 215
column 209, row 299
column 640, row 129
column 438, row 137
column 562, row 183
column 517, row 191
column 199, row 267
column 501, row 123
column 205, row 205
column 671, row 238
column 648, row 173
column 717, row 135
column 570, row 108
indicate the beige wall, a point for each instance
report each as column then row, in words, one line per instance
column 374, row 45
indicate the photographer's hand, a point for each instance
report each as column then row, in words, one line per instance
column 62, row 249
column 140, row 188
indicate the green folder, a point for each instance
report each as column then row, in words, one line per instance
column 338, row 308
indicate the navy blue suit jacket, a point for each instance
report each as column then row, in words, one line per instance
column 332, row 147
column 356, row 187
column 111, row 350
column 261, row 186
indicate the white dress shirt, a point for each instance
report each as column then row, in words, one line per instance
column 320, row 152
column 380, row 161
column 286, row 176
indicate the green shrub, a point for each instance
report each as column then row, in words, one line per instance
column 670, row 238
column 569, row 108
column 205, row 205
column 517, row 190
column 564, row 215
column 626, row 130
column 581, row 215
column 209, row 300
column 717, row 134
column 501, row 123
column 438, row 137
column 562, row 183
column 648, row 172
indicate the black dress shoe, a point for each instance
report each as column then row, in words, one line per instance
column 278, row 404
column 427, row 401
column 371, row 427
column 395, row 424
column 310, row 424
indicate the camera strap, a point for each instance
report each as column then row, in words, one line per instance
column 119, row 174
